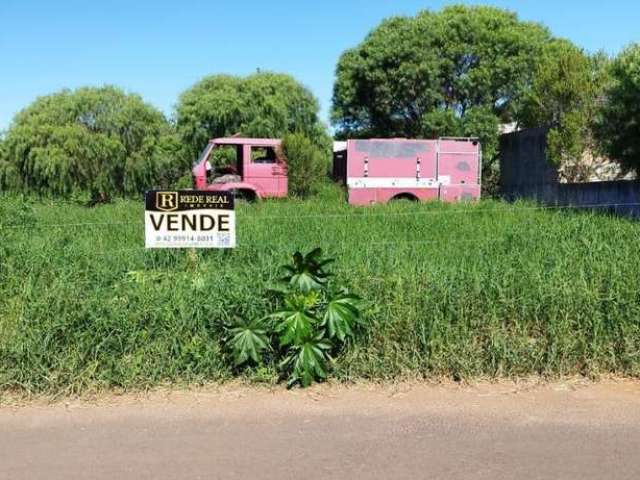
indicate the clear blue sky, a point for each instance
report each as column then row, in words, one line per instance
column 159, row 48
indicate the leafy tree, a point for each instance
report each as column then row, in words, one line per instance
column 461, row 70
column 478, row 122
column 99, row 141
column 619, row 123
column 260, row 105
column 308, row 163
column 564, row 94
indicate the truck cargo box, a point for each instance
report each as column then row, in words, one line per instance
column 379, row 170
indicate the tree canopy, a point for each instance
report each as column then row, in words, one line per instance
column 100, row 141
column 461, row 70
column 564, row 94
column 264, row 104
column 618, row 128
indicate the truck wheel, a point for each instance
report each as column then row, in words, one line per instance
column 244, row 196
column 407, row 197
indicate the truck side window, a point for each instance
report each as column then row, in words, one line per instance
column 263, row 155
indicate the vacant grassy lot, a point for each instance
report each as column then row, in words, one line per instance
column 456, row 290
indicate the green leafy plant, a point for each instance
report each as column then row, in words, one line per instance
column 311, row 322
column 340, row 315
column 249, row 342
column 308, row 360
column 307, row 272
column 308, row 160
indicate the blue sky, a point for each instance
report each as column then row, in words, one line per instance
column 160, row 48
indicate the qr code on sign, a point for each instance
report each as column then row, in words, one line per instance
column 224, row 240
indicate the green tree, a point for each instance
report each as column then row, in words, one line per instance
column 618, row 127
column 564, row 94
column 99, row 141
column 260, row 105
column 461, row 70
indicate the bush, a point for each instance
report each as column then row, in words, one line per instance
column 308, row 163
column 99, row 141
column 16, row 211
column 312, row 322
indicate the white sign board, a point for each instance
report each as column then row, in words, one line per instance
column 189, row 219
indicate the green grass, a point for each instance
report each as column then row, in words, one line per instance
column 491, row 290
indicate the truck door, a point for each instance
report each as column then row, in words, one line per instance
column 459, row 169
column 265, row 171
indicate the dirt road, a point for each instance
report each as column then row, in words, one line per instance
column 559, row 431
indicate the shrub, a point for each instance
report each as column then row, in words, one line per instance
column 310, row 323
column 308, row 163
column 16, row 211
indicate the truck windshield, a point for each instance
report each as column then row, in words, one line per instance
column 204, row 154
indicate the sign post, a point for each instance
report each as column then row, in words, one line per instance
column 189, row 219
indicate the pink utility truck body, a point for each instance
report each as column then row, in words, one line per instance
column 379, row 170
column 258, row 172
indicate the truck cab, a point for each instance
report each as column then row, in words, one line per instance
column 258, row 170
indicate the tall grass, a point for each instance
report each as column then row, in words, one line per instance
column 456, row 290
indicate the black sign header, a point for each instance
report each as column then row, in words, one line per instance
column 181, row 200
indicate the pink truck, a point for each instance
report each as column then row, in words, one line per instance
column 257, row 172
column 374, row 171
column 379, row 170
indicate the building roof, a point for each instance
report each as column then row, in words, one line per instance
column 263, row 142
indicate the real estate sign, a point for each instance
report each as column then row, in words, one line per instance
column 189, row 219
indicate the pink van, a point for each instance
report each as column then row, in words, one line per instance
column 379, row 170
column 257, row 172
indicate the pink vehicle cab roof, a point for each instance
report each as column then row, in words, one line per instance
column 265, row 142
